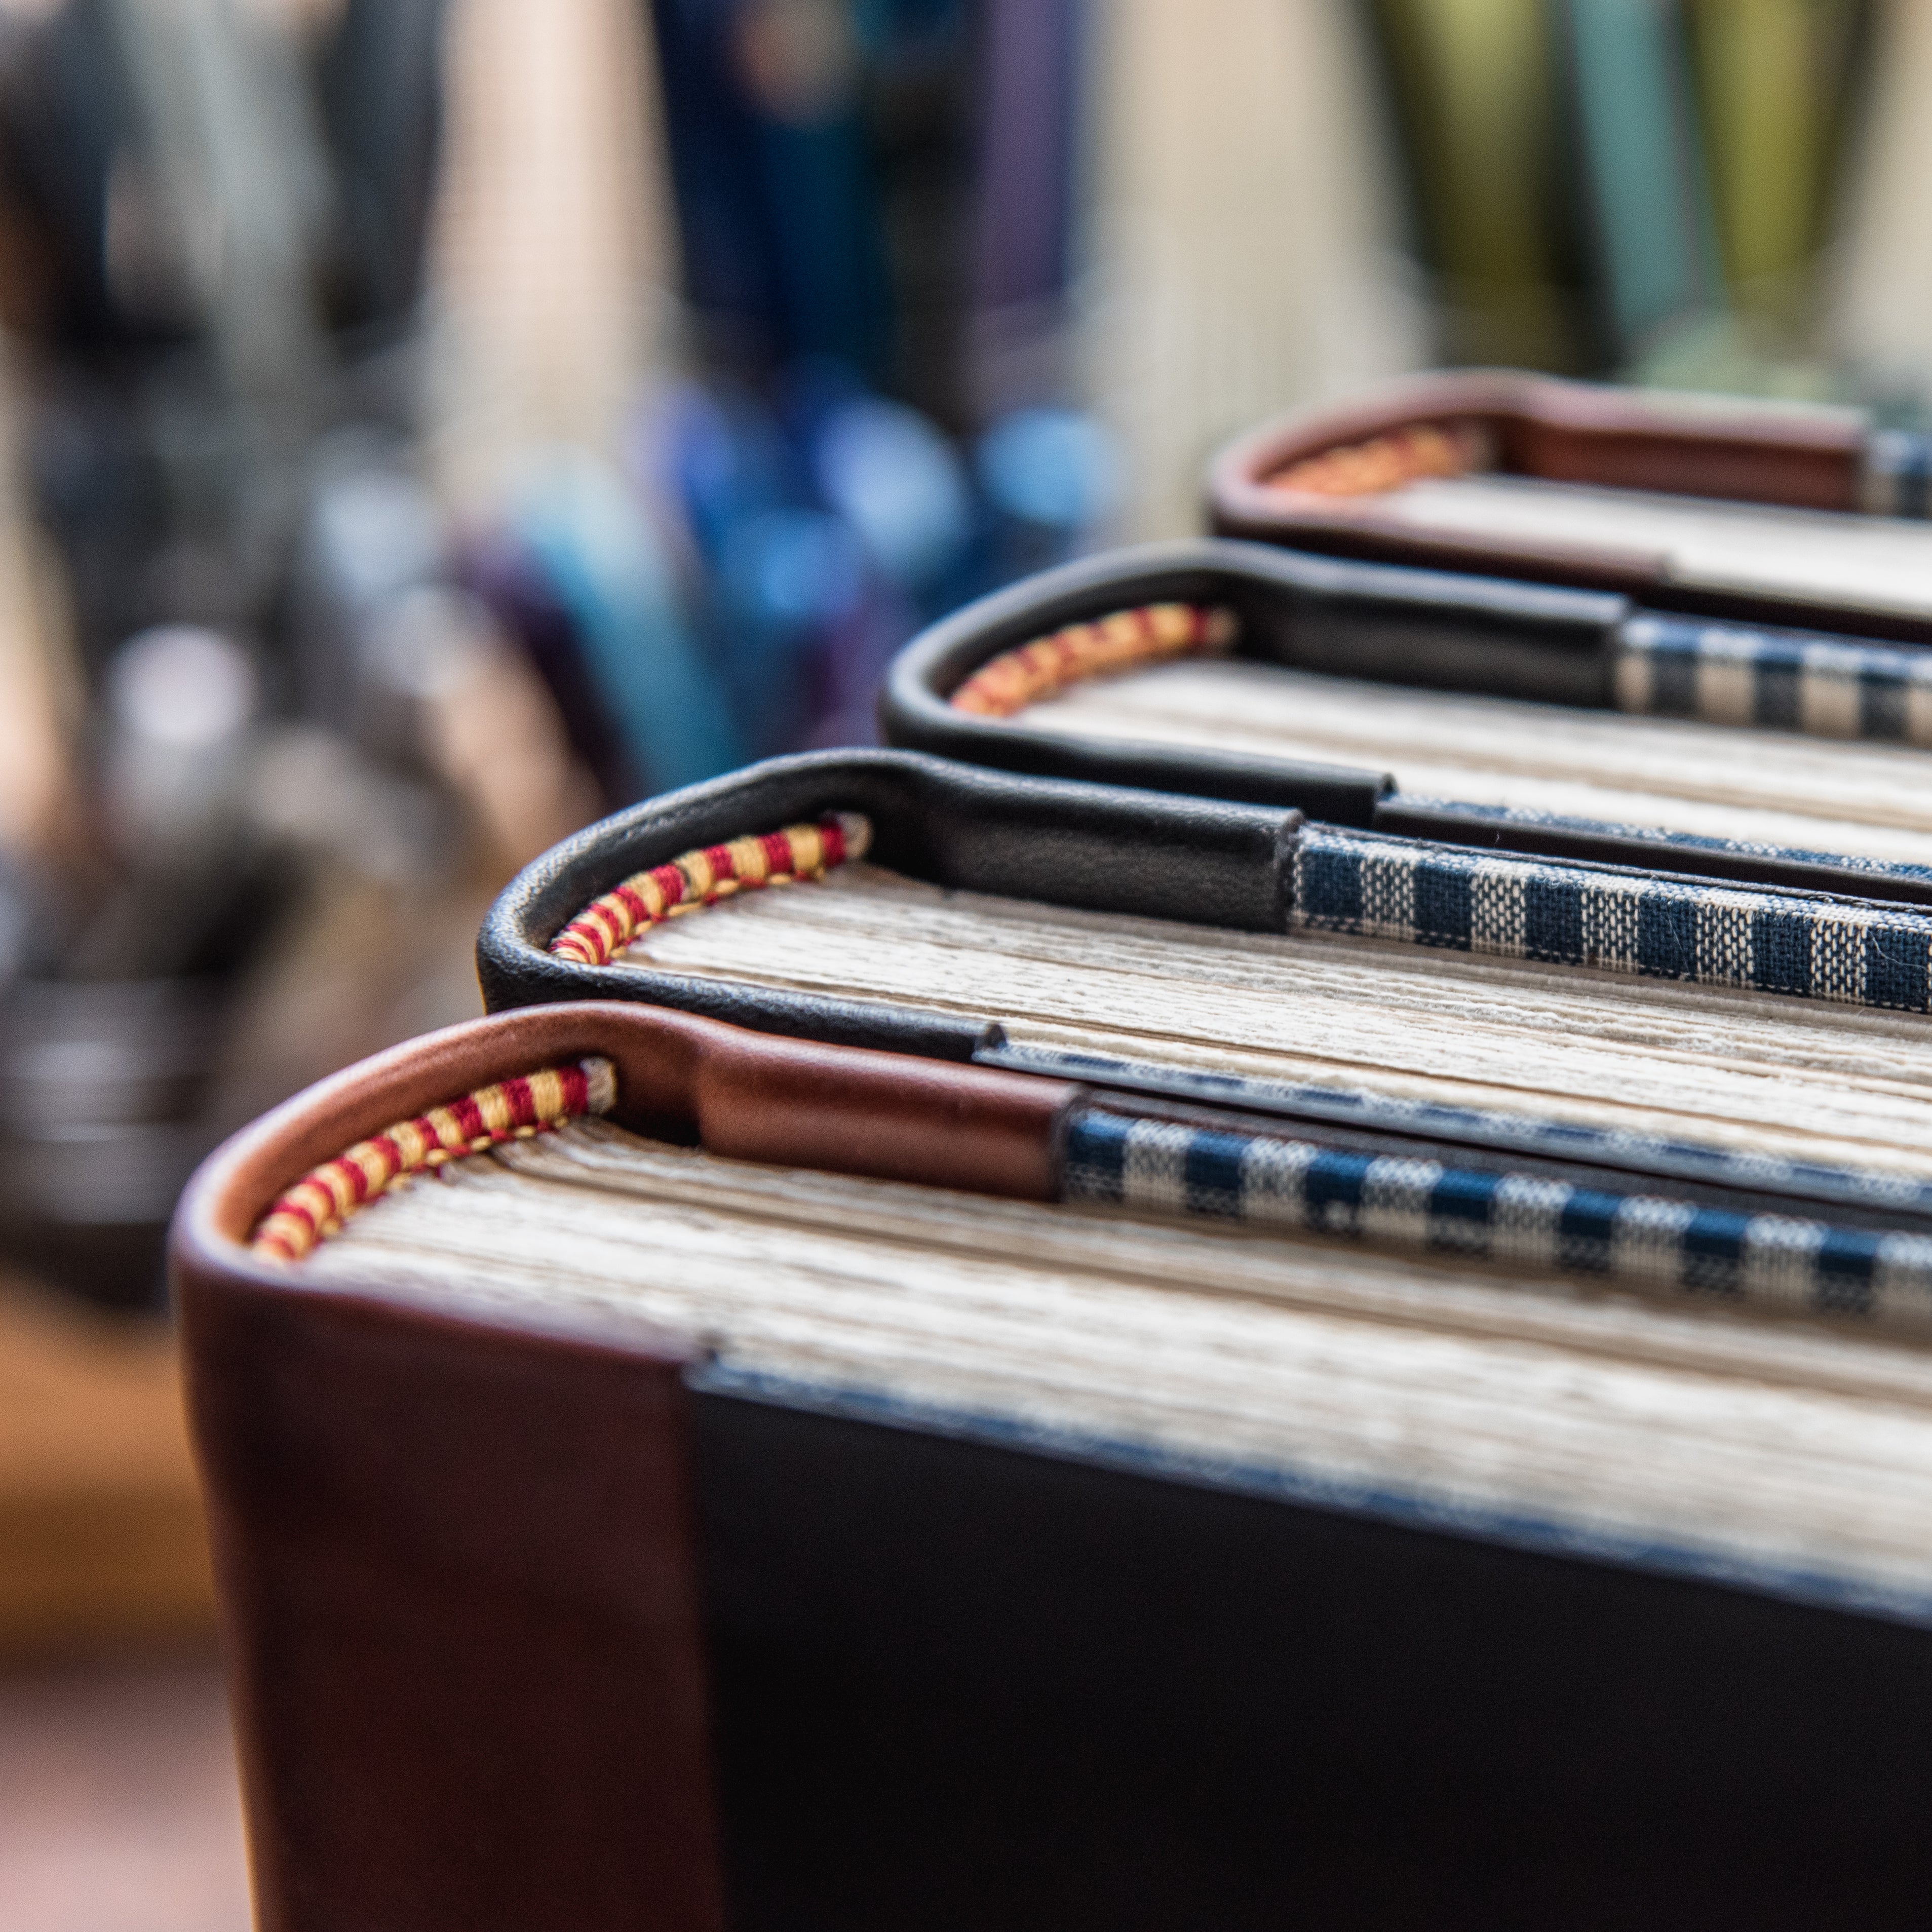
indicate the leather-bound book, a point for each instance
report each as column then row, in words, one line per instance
column 967, row 1349
column 667, row 1475
column 1751, row 512
column 1485, row 714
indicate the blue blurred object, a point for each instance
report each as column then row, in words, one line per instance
column 588, row 531
column 777, row 201
column 1053, row 467
column 741, row 592
column 898, row 481
column 875, row 202
column 1052, row 477
column 793, row 570
column 719, row 454
column 788, row 579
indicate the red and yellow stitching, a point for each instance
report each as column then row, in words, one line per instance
column 318, row 1203
column 1125, row 641
column 702, row 878
column 1384, row 462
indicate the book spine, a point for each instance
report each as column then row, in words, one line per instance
column 1825, row 687
column 1653, row 925
column 460, row 1591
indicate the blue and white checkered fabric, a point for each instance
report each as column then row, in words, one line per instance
column 1880, row 869
column 1897, row 474
column 1785, row 680
column 1613, row 920
column 1535, row 1136
column 1634, row 1239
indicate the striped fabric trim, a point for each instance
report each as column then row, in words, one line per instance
column 1897, row 477
column 1788, row 680
column 318, row 1204
column 1385, row 463
column 1612, row 920
column 1693, row 841
column 1635, row 1240
column 1503, row 1132
column 702, row 878
column 1127, row 640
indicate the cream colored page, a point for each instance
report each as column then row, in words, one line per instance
column 1793, row 1076
column 1721, row 782
column 1770, row 1443
column 1872, row 563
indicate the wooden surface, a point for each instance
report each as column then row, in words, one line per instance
column 101, row 1539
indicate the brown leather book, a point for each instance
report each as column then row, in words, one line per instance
column 1012, row 1479
column 1745, row 511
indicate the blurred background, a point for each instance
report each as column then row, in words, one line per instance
column 426, row 425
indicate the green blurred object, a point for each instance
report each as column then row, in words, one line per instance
column 1643, row 188
column 1646, row 204
column 1776, row 81
column 1472, row 86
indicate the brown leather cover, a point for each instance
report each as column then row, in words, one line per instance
column 458, row 1574
column 1563, row 432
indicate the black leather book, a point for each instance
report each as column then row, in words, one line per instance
column 969, row 1349
column 1419, row 1647
column 1483, row 712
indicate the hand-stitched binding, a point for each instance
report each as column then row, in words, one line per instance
column 1516, row 908
column 318, row 1203
column 1640, row 1240
column 1789, row 680
column 1127, row 640
column 1386, row 462
column 701, row 878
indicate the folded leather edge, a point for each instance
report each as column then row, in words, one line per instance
column 1569, row 431
column 1575, row 432
column 457, row 1565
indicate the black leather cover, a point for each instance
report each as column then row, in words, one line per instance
column 1099, row 846
column 1418, row 627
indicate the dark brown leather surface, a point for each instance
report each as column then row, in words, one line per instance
column 460, row 1602
column 889, row 1115
column 457, row 1574
column 1577, row 433
column 750, row 1095
column 1569, row 432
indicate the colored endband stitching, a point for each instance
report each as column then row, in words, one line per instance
column 318, row 1204
column 1385, row 462
column 1127, row 640
column 702, row 878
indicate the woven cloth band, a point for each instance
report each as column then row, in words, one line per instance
column 1897, row 480
column 318, row 1203
column 1513, row 908
column 703, row 877
column 1127, row 640
column 1385, row 462
column 1880, row 869
column 1788, row 680
column 1633, row 1239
